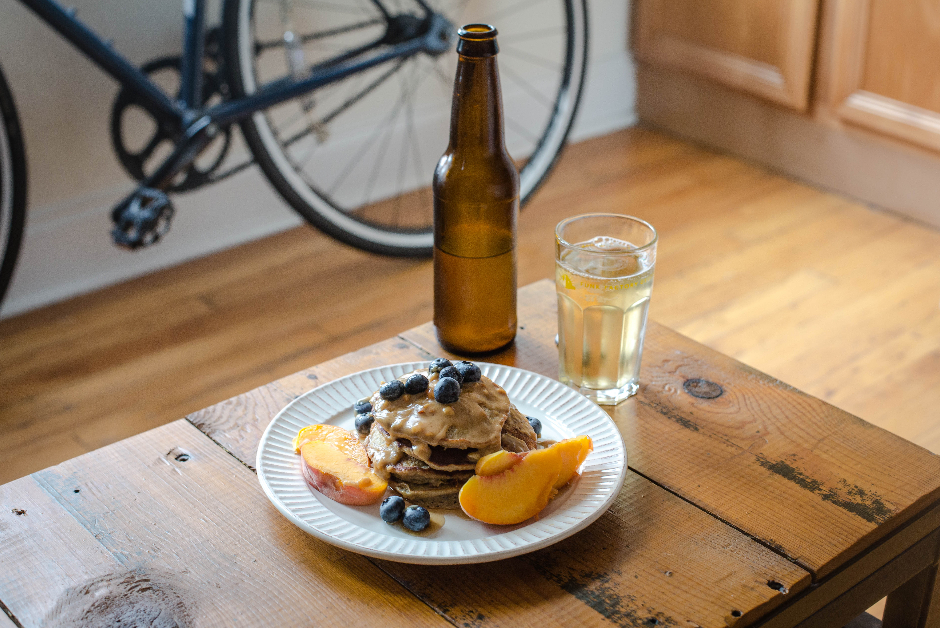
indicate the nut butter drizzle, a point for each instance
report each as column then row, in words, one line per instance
column 474, row 421
column 383, row 454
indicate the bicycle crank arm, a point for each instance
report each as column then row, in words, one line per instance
column 144, row 216
column 199, row 134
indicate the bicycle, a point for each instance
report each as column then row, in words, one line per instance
column 304, row 80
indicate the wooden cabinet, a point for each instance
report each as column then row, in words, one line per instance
column 764, row 47
column 886, row 67
column 841, row 93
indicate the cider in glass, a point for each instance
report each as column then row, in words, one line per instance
column 604, row 267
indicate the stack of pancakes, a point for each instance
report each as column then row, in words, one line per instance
column 427, row 450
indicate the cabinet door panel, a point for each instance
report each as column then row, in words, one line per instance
column 886, row 74
column 764, row 47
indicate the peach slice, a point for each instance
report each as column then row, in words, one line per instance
column 334, row 462
column 573, row 452
column 322, row 432
column 518, row 492
column 497, row 462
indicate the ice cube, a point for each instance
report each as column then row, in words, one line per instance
column 614, row 245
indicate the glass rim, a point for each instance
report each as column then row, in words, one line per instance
column 644, row 247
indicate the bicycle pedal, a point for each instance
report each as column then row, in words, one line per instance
column 142, row 219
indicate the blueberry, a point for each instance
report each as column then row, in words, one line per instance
column 416, row 384
column 536, row 425
column 452, row 373
column 392, row 390
column 392, row 508
column 416, row 518
column 446, row 390
column 364, row 422
column 470, row 371
column 438, row 364
column 363, row 405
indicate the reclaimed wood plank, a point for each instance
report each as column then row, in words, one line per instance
column 651, row 560
column 916, row 603
column 186, row 531
column 44, row 551
column 238, row 423
column 809, row 479
column 813, row 482
column 883, row 568
column 185, row 517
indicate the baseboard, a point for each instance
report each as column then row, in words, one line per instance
column 70, row 253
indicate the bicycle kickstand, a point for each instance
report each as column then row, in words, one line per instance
column 144, row 216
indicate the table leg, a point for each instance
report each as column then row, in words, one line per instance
column 916, row 603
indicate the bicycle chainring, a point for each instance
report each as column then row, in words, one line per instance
column 140, row 157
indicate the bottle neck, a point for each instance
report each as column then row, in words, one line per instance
column 477, row 111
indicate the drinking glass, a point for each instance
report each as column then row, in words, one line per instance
column 604, row 277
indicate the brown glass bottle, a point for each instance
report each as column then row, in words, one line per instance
column 476, row 201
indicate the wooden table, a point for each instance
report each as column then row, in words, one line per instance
column 747, row 502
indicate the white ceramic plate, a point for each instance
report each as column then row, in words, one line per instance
column 563, row 412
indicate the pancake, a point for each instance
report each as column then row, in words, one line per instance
column 517, row 434
column 427, row 450
column 474, row 421
column 412, row 478
column 429, row 496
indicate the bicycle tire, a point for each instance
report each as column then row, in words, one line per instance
column 12, row 186
column 542, row 78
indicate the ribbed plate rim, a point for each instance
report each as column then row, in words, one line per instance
column 581, row 503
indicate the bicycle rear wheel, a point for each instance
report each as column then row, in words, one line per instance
column 12, row 186
column 355, row 158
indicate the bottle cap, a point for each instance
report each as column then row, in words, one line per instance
column 477, row 40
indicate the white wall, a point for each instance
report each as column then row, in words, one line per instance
column 75, row 179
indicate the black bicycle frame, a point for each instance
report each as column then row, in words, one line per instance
column 187, row 109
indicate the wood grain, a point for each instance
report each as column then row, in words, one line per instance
column 883, row 73
column 170, row 512
column 44, row 551
column 677, row 550
column 701, row 452
column 238, row 423
column 221, row 338
column 745, row 266
column 806, row 478
column 652, row 559
column 679, row 553
column 187, row 521
column 822, row 477
column 764, row 48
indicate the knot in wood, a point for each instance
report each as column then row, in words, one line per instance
column 702, row 388
column 141, row 598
